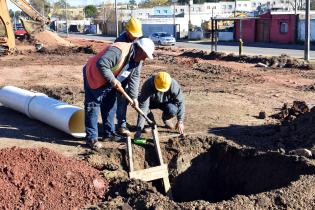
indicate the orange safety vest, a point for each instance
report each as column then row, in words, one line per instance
column 94, row 77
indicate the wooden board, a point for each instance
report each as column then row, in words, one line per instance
column 149, row 174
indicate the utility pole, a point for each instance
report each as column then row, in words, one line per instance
column 307, row 32
column 234, row 8
column 189, row 21
column 67, row 31
column 116, row 19
column 174, row 25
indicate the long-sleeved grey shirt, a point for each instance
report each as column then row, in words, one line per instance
column 149, row 94
column 110, row 59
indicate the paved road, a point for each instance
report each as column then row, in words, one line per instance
column 257, row 49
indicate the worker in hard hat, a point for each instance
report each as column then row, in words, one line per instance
column 103, row 74
column 133, row 31
column 162, row 92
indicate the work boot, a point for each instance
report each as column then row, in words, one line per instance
column 169, row 124
column 113, row 137
column 124, row 131
column 94, row 145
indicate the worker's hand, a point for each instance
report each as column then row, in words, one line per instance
column 116, row 84
column 135, row 103
column 180, row 127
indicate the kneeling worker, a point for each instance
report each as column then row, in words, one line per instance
column 162, row 92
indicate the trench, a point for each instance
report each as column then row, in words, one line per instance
column 224, row 171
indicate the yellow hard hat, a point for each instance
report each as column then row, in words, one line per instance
column 162, row 81
column 134, row 27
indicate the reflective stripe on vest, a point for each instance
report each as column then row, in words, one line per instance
column 94, row 76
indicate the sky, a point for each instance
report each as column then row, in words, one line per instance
column 71, row 2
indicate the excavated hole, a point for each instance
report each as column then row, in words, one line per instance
column 224, row 171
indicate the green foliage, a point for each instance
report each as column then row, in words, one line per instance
column 313, row 5
column 42, row 6
column 153, row 3
column 90, row 11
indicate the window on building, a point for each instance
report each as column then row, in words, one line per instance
column 158, row 11
column 208, row 7
column 182, row 10
column 148, row 14
column 175, row 10
column 214, row 7
column 223, row 6
column 245, row 5
column 230, row 7
column 140, row 13
column 274, row 3
column 193, row 9
column 165, row 11
column 284, row 27
column 198, row 9
column 239, row 5
column 254, row 4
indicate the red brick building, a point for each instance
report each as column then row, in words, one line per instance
column 277, row 27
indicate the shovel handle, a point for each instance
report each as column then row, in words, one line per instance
column 123, row 92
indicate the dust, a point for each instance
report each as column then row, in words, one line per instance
column 43, row 179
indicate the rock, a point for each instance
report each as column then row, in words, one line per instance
column 261, row 65
column 301, row 152
column 262, row 115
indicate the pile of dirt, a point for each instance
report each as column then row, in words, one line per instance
column 43, row 179
column 282, row 61
column 208, row 174
column 51, row 39
column 71, row 95
column 307, row 88
column 65, row 50
column 289, row 114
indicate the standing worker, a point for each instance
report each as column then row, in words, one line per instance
column 162, row 92
column 103, row 74
column 133, row 31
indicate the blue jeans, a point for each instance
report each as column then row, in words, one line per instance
column 121, row 111
column 104, row 99
column 169, row 110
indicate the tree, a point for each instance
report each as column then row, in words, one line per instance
column 11, row 13
column 42, row 6
column 90, row 11
column 132, row 4
column 153, row 3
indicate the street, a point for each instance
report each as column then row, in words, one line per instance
column 265, row 49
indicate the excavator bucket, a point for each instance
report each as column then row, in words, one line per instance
column 32, row 27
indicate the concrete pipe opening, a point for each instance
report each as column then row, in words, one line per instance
column 224, row 171
column 76, row 124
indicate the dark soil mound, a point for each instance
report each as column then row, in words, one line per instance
column 207, row 174
column 67, row 94
column 282, row 61
column 43, row 179
column 65, row 50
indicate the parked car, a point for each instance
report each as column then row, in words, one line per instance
column 19, row 31
column 162, row 38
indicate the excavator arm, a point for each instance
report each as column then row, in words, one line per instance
column 30, row 11
column 7, row 38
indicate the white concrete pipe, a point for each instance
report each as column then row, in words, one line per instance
column 39, row 106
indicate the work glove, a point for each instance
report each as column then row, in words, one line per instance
column 180, row 127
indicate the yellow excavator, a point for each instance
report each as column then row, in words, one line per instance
column 7, row 37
